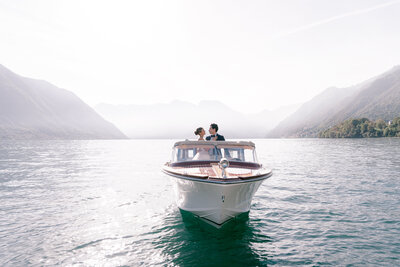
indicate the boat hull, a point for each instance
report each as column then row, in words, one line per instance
column 216, row 202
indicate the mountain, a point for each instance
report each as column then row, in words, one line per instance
column 308, row 118
column 36, row 109
column 376, row 98
column 379, row 100
column 179, row 119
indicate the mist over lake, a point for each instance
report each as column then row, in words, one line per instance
column 91, row 203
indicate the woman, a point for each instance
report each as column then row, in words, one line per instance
column 201, row 133
column 202, row 153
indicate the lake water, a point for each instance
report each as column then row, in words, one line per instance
column 106, row 203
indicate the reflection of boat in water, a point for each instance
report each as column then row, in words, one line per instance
column 184, row 240
column 215, row 180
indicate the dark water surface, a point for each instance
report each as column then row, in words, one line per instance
column 106, row 203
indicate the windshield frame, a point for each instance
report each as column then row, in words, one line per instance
column 185, row 152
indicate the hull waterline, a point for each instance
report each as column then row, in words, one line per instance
column 217, row 202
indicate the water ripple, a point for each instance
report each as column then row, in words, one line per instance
column 101, row 203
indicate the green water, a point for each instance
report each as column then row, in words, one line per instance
column 106, row 203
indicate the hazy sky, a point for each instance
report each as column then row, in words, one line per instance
column 251, row 55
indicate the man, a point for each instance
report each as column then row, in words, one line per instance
column 213, row 133
column 215, row 153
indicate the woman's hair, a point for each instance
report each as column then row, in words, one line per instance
column 198, row 131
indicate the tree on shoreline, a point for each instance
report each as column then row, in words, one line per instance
column 363, row 128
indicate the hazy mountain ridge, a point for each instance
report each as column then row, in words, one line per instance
column 179, row 119
column 311, row 115
column 378, row 97
column 379, row 100
column 36, row 109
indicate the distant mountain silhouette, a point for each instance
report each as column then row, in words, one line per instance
column 36, row 109
column 179, row 119
column 376, row 98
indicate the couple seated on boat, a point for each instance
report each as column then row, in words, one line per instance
column 204, row 153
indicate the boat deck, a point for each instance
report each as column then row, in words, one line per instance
column 211, row 170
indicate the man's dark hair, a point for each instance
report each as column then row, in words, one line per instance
column 214, row 126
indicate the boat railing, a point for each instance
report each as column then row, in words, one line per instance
column 208, row 163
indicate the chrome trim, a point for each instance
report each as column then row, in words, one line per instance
column 249, row 180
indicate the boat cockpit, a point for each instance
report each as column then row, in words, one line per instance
column 223, row 160
column 214, row 151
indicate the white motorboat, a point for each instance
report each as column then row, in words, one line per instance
column 215, row 180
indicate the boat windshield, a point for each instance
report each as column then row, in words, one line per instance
column 213, row 152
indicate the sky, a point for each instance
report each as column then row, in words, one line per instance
column 250, row 55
